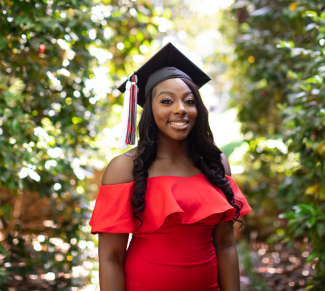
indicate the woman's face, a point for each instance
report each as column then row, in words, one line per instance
column 174, row 109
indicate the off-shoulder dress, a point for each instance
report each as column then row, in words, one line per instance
column 173, row 249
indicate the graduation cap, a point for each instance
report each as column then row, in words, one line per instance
column 167, row 63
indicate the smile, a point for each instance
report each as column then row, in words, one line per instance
column 179, row 125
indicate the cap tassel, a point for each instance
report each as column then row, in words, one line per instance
column 129, row 114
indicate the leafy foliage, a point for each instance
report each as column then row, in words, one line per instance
column 303, row 130
column 56, row 79
column 280, row 94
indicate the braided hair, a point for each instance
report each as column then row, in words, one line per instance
column 205, row 154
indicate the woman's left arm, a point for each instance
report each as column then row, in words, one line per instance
column 228, row 266
column 225, row 164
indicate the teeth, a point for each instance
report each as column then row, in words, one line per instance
column 179, row 123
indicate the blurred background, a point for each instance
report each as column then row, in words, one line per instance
column 60, row 65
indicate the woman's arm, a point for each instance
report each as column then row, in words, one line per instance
column 227, row 257
column 225, row 164
column 112, row 246
column 111, row 253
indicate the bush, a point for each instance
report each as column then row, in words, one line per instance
column 279, row 90
column 51, row 114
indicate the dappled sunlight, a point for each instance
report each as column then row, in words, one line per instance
column 61, row 64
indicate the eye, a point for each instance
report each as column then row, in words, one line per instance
column 166, row 101
column 191, row 101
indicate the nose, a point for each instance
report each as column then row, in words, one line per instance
column 179, row 108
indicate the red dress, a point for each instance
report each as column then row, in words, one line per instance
column 173, row 249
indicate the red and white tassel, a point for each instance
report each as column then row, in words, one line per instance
column 129, row 114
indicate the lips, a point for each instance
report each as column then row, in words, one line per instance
column 179, row 124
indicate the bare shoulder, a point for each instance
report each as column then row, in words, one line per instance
column 119, row 169
column 132, row 152
column 226, row 165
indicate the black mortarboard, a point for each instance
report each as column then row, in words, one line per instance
column 167, row 63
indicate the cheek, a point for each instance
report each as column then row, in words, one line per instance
column 193, row 114
column 160, row 115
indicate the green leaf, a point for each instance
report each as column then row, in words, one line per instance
column 312, row 256
column 287, row 215
column 315, row 80
column 285, row 44
column 311, row 221
column 322, row 111
column 3, row 43
column 310, row 26
column 323, row 52
column 309, row 287
column 310, row 13
column 294, row 221
column 3, row 251
column 305, row 208
column 320, row 228
column 14, row 124
column 298, row 231
column 3, row 273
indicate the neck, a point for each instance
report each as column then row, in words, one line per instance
column 171, row 149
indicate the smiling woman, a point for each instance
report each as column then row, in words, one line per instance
column 171, row 192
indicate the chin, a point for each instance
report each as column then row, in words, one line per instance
column 178, row 136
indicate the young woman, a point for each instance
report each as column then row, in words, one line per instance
column 175, row 194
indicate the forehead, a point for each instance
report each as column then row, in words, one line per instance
column 173, row 85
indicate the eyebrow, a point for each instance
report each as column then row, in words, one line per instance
column 171, row 93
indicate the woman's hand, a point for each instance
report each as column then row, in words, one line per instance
column 111, row 253
column 228, row 266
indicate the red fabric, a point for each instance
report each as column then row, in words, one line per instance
column 173, row 248
column 177, row 257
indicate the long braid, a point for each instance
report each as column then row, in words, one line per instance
column 146, row 154
column 213, row 170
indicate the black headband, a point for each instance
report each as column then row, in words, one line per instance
column 163, row 74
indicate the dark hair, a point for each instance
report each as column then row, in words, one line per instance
column 205, row 154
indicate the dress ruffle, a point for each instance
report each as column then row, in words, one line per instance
column 194, row 198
